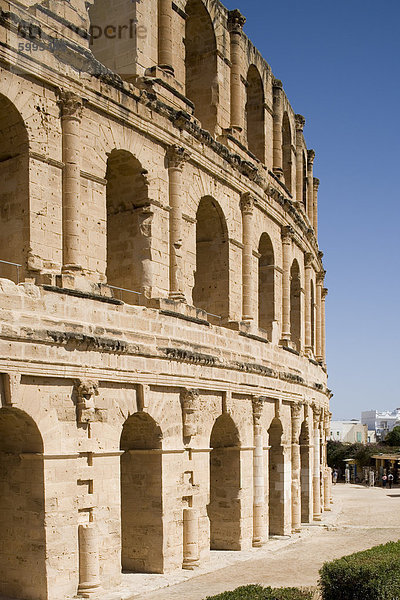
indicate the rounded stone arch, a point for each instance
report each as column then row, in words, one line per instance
column 266, row 284
column 295, row 304
column 211, row 279
column 126, row 241
column 276, row 478
column 14, row 192
column 141, row 495
column 287, row 150
column 201, row 76
column 22, row 506
column 224, row 510
column 255, row 113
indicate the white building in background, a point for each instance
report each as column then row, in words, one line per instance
column 349, row 431
column 381, row 422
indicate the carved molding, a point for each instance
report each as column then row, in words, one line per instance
column 257, row 405
column 308, row 258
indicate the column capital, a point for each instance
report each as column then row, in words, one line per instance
column 258, row 405
column 324, row 293
column 327, row 422
column 317, row 412
column 321, row 277
column 71, row 105
column 236, row 21
column 277, row 84
column 308, row 258
column 247, row 203
column 316, row 183
column 310, row 157
column 287, row 234
column 177, row 156
column 300, row 121
column 190, row 401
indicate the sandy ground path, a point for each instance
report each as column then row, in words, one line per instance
column 361, row 518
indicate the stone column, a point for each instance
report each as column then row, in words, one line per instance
column 190, row 538
column 89, row 579
column 297, row 412
column 259, row 529
column 247, row 208
column 277, row 90
column 324, row 293
column 71, row 113
column 176, row 157
column 327, row 470
column 236, row 22
column 316, row 474
column 287, row 236
column 318, row 301
column 315, row 205
column 308, row 272
column 300, row 122
column 310, row 186
column 165, row 53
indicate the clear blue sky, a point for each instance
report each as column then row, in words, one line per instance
column 339, row 63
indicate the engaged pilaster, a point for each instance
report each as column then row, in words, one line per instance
column 176, row 157
column 300, row 183
column 277, row 90
column 89, row 578
column 236, row 22
column 297, row 414
column 247, row 208
column 165, row 53
column 320, row 284
column 324, row 293
column 287, row 237
column 315, row 205
column 310, row 186
column 259, row 529
column 308, row 312
column 317, row 469
column 71, row 107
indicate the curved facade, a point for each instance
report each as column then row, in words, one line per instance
column 162, row 343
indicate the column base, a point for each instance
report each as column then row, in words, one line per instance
column 257, row 543
column 88, row 590
column 178, row 296
column 317, row 518
column 189, row 564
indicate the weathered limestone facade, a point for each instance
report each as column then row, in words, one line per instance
column 162, row 345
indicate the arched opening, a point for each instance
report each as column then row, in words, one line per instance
column 304, row 182
column 22, row 509
column 201, row 82
column 266, row 288
column 211, row 280
column 287, row 151
column 255, row 114
column 141, row 495
column 305, row 474
column 295, row 305
column 126, row 240
column 312, row 316
column 224, row 507
column 114, row 36
column 14, row 191
column 276, row 479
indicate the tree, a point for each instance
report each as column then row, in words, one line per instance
column 393, row 437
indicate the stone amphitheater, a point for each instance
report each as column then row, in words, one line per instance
column 162, row 304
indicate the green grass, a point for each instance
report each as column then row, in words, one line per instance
column 256, row 592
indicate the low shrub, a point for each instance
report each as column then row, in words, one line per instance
column 369, row 575
column 257, row 592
